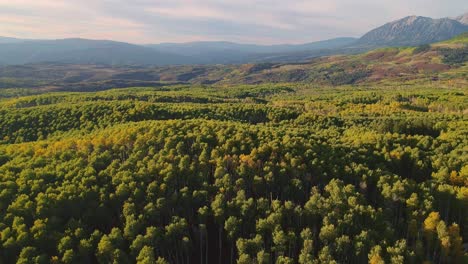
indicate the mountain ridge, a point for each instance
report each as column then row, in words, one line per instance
column 411, row 31
column 78, row 50
column 408, row 31
column 439, row 61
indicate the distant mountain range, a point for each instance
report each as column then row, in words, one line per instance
column 389, row 65
column 83, row 51
column 409, row 31
column 9, row 40
column 229, row 52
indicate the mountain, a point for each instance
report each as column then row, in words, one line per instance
column 10, row 40
column 439, row 61
column 84, row 51
column 210, row 52
column 335, row 43
column 222, row 52
column 409, row 31
column 463, row 18
column 412, row 30
column 195, row 48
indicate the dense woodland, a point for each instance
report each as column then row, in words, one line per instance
column 272, row 173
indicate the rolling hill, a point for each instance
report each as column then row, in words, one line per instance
column 440, row 61
column 84, row 51
column 214, row 52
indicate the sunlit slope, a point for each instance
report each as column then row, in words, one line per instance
column 116, row 176
column 428, row 63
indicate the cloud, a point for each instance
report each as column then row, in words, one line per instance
column 260, row 21
column 207, row 13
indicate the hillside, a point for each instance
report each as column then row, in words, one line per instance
column 83, row 51
column 441, row 61
column 272, row 173
column 194, row 48
column 227, row 52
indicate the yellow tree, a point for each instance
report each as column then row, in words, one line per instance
column 429, row 227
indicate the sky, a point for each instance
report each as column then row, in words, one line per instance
column 244, row 21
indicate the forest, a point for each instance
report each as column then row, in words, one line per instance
column 265, row 173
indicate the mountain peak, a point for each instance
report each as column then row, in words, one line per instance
column 463, row 19
column 409, row 19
